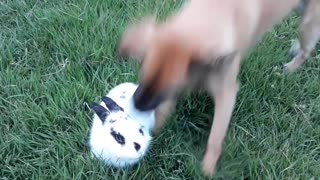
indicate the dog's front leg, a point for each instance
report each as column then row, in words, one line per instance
column 224, row 92
column 162, row 113
column 224, row 103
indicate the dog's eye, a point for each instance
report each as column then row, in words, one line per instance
column 141, row 132
column 118, row 137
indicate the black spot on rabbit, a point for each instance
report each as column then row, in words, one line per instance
column 123, row 95
column 141, row 132
column 118, row 137
column 136, row 146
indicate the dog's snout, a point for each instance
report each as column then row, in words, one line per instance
column 141, row 98
column 146, row 100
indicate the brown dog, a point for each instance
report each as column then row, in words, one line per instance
column 203, row 44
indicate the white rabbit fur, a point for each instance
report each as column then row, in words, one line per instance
column 120, row 134
column 122, row 95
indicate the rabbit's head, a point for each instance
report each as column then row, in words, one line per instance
column 115, row 136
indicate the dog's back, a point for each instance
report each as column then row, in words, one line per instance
column 224, row 25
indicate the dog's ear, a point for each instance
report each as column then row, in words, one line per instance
column 137, row 37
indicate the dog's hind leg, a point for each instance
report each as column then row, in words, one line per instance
column 309, row 32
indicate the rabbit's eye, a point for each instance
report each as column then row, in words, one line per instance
column 118, row 137
column 141, row 132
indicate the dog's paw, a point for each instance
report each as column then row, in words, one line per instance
column 290, row 67
column 209, row 165
column 295, row 47
column 208, row 168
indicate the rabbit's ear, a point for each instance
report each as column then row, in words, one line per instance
column 100, row 111
column 111, row 105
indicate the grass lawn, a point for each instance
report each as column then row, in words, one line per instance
column 55, row 55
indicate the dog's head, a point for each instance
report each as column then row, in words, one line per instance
column 167, row 60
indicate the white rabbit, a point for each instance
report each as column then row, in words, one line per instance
column 120, row 135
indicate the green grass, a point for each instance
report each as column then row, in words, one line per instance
column 57, row 55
